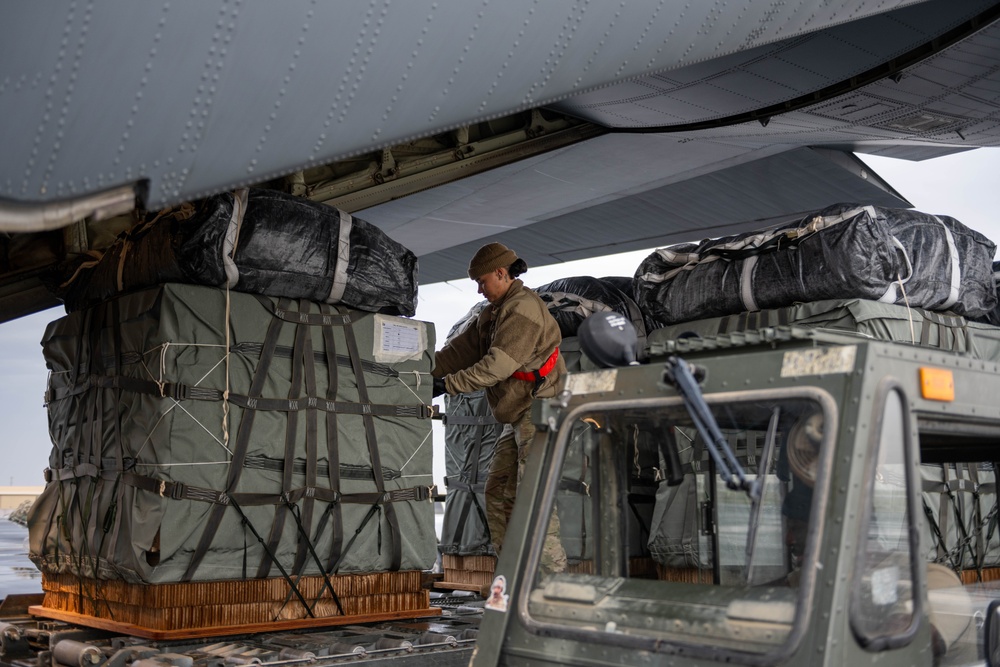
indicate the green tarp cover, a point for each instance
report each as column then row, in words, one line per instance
column 470, row 436
column 960, row 505
column 573, row 502
column 882, row 321
column 156, row 477
column 677, row 538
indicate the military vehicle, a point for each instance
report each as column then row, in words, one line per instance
column 787, row 494
column 756, row 111
column 823, row 497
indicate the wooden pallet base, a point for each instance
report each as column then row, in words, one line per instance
column 483, row 591
column 227, row 604
column 220, row 631
column 467, row 573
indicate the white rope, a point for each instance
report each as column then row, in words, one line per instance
column 161, row 351
column 429, row 431
column 150, row 434
column 909, row 313
column 183, row 465
column 156, row 349
column 224, row 442
column 177, row 404
column 240, row 200
column 209, row 371
column 225, row 394
column 163, row 364
column 408, row 388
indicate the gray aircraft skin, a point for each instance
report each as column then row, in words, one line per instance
column 566, row 129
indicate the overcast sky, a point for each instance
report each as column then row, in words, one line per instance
column 964, row 186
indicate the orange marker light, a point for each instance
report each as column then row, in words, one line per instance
column 937, row 384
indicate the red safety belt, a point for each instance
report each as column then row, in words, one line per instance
column 539, row 375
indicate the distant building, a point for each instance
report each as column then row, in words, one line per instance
column 12, row 496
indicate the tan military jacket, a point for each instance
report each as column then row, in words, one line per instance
column 515, row 334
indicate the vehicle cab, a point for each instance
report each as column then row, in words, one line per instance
column 841, row 510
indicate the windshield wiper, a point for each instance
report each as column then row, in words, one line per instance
column 681, row 375
column 756, row 506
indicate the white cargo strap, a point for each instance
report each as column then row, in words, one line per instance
column 233, row 236
column 956, row 268
column 746, row 284
column 890, row 295
column 343, row 259
column 690, row 260
column 820, row 223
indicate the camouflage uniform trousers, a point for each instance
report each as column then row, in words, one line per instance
column 502, row 481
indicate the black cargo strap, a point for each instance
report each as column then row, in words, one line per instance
column 574, row 486
column 413, row 493
column 396, row 555
column 305, row 512
column 320, row 356
column 182, row 392
column 282, row 312
column 175, row 490
column 468, row 420
column 305, row 537
column 473, row 490
column 333, row 511
column 181, row 491
column 248, row 348
column 460, row 485
column 472, row 485
column 347, row 470
column 634, row 500
column 240, row 448
column 954, row 324
column 962, row 486
column 295, row 387
column 939, row 541
column 363, row 408
column 62, row 474
column 977, row 517
column 111, row 523
column 350, row 543
column 294, row 587
column 750, row 321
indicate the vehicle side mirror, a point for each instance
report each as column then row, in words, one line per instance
column 609, row 340
column 991, row 633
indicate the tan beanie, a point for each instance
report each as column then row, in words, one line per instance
column 489, row 258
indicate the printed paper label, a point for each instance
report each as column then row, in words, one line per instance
column 592, row 382
column 398, row 339
column 819, row 361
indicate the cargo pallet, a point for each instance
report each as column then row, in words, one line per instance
column 217, row 608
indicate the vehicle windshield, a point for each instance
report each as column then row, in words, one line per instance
column 658, row 547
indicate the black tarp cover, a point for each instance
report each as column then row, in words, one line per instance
column 993, row 317
column 272, row 243
column 571, row 300
column 844, row 251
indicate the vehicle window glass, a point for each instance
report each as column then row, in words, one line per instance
column 959, row 540
column 882, row 604
column 656, row 543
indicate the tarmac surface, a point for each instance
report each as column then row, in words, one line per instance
column 17, row 573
